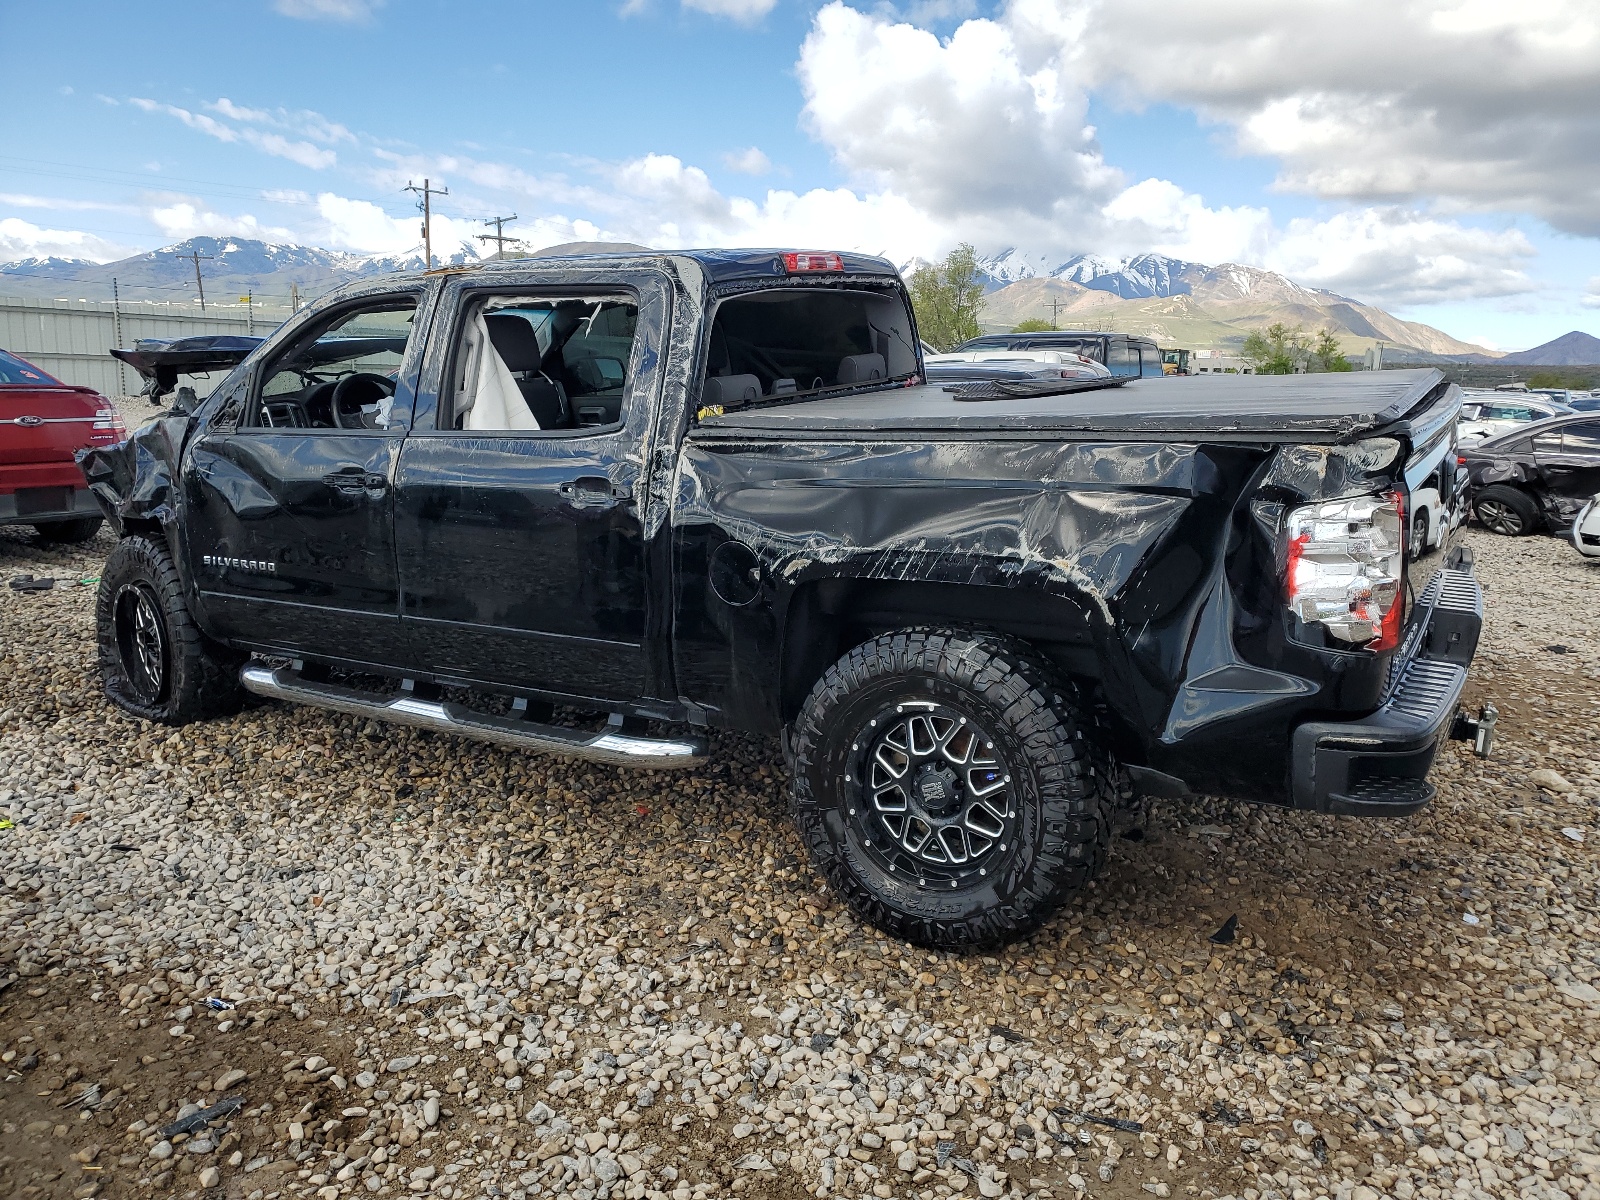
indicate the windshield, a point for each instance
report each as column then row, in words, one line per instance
column 14, row 370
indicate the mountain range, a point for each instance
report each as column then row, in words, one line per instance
column 230, row 268
column 1191, row 304
column 1179, row 303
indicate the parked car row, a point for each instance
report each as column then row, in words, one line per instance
column 1539, row 476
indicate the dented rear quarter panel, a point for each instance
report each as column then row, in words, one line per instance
column 1148, row 570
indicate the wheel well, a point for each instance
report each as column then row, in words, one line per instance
column 828, row 617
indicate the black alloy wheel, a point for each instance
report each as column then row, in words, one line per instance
column 142, row 643
column 951, row 786
column 155, row 661
column 934, row 800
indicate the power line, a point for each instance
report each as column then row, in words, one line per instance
column 498, row 237
column 427, row 192
column 199, row 285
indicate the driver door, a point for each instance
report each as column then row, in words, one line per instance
column 290, row 513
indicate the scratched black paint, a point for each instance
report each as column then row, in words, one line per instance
column 1133, row 535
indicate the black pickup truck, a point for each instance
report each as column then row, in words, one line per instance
column 709, row 489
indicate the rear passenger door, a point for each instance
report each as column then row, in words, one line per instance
column 1569, row 461
column 519, row 539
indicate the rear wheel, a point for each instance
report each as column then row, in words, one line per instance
column 72, row 530
column 945, row 785
column 154, row 661
column 1506, row 510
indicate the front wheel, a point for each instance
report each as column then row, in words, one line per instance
column 946, row 786
column 154, row 661
column 1508, row 511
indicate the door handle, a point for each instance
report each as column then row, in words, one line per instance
column 353, row 482
column 593, row 491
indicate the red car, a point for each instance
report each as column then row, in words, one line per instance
column 43, row 423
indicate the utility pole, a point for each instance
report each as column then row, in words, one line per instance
column 198, row 284
column 250, row 311
column 498, row 237
column 1055, row 307
column 427, row 191
column 294, row 297
column 116, row 334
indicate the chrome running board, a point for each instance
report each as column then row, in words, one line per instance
column 609, row 746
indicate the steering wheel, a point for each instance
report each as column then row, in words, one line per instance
column 353, row 394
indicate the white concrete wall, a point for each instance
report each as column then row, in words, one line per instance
column 70, row 338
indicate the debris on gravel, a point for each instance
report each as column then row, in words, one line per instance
column 452, row 970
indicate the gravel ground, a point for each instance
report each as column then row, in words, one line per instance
column 460, row 971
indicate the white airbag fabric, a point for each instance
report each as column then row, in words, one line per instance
column 489, row 394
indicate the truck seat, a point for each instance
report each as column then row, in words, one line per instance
column 862, row 368
column 518, row 346
column 731, row 391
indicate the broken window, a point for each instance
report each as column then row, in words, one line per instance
column 542, row 363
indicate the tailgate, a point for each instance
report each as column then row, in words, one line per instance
column 50, row 424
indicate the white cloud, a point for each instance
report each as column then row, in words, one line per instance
column 1399, row 257
column 749, row 161
column 181, row 219
column 1157, row 215
column 1592, row 298
column 328, row 10
column 971, row 128
column 24, row 239
column 744, row 11
column 1479, row 103
column 61, row 204
column 302, row 152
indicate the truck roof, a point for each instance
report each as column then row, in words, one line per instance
column 1305, row 408
column 719, row 266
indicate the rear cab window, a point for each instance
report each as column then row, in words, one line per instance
column 787, row 343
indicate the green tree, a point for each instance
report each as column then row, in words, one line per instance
column 1326, row 355
column 1277, row 350
column 947, row 298
column 1033, row 325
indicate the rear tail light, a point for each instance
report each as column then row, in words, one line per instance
column 107, row 421
column 796, row 261
column 1346, row 568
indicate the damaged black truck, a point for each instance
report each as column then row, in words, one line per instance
column 709, row 489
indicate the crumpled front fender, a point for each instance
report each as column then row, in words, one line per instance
column 137, row 480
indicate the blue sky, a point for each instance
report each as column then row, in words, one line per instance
column 1412, row 176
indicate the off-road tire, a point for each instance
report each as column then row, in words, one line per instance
column 199, row 678
column 1064, row 784
column 71, row 531
column 1506, row 510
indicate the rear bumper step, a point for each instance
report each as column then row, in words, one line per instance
column 1378, row 766
column 608, row 746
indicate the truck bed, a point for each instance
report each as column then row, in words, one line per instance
column 1299, row 408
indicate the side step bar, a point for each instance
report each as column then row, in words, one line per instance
column 609, row 746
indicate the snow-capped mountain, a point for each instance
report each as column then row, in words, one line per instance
column 229, row 267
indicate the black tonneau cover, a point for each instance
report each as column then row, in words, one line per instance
column 1301, row 408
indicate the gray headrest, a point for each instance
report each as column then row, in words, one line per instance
column 515, row 341
column 863, row 368
column 731, row 390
